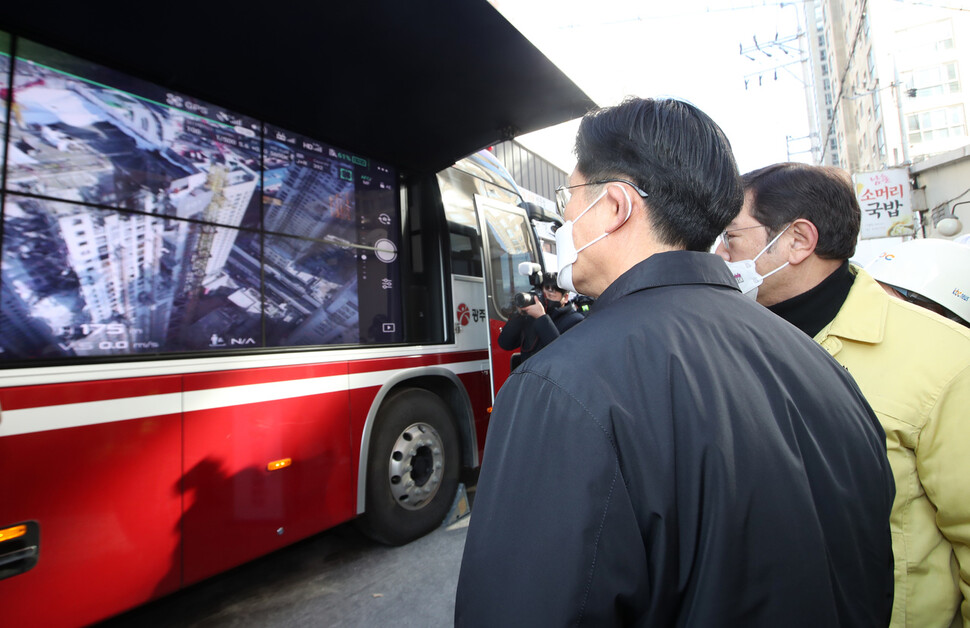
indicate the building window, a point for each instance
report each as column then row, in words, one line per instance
column 927, row 38
column 876, row 104
column 938, row 80
column 936, row 124
column 881, row 142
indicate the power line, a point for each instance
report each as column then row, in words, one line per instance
column 695, row 13
column 949, row 201
column 845, row 73
column 930, row 4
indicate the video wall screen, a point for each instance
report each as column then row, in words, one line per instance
column 141, row 221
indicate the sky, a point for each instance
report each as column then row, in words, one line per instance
column 689, row 50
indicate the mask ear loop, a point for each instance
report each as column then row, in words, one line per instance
column 772, row 243
column 606, row 233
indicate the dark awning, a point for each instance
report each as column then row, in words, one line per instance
column 414, row 83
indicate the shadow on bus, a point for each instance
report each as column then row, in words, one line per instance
column 280, row 583
column 216, row 552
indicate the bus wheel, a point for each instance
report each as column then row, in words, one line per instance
column 412, row 468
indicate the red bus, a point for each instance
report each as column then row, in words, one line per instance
column 226, row 327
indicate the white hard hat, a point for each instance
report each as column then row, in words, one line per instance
column 938, row 270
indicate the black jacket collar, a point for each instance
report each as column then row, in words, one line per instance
column 668, row 269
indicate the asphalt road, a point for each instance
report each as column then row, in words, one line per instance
column 338, row 578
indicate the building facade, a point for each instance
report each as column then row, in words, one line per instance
column 887, row 80
column 533, row 173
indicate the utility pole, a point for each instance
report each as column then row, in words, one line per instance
column 903, row 134
column 781, row 53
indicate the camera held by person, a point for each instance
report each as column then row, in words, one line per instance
column 524, row 299
column 541, row 315
column 533, row 271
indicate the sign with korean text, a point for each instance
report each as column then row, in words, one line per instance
column 886, row 203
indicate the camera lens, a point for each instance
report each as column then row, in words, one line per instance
column 523, row 299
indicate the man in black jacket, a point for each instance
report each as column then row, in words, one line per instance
column 704, row 463
column 536, row 325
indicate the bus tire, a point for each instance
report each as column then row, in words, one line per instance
column 412, row 468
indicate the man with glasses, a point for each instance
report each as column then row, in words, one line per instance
column 912, row 365
column 670, row 461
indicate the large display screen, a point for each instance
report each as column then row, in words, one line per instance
column 141, row 221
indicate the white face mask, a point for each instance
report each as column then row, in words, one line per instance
column 566, row 251
column 747, row 276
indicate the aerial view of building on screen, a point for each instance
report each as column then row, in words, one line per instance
column 135, row 222
column 308, row 193
column 4, row 81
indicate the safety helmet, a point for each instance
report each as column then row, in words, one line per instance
column 937, row 270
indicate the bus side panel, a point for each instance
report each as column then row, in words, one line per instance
column 107, row 501
column 235, row 507
column 501, row 359
column 480, row 395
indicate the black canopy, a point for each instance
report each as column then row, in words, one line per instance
column 414, row 83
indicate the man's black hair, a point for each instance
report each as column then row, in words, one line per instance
column 677, row 155
column 823, row 195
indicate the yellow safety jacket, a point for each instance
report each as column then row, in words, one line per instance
column 914, row 369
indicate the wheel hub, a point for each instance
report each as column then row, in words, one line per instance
column 416, row 465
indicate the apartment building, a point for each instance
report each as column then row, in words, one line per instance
column 887, row 80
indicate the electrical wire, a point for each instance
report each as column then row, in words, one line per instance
column 845, row 73
column 965, row 192
column 929, row 4
column 689, row 13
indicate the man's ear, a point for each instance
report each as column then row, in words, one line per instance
column 621, row 204
column 804, row 240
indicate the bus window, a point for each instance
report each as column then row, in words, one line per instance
column 466, row 253
column 510, row 242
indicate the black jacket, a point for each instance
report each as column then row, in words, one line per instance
column 532, row 334
column 704, row 464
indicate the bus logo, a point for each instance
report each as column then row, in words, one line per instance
column 463, row 314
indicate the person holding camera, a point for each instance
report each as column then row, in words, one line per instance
column 539, row 319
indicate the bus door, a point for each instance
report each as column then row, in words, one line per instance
column 508, row 241
column 467, row 281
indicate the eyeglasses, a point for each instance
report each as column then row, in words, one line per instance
column 725, row 239
column 563, row 193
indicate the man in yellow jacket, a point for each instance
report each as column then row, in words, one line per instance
column 789, row 248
